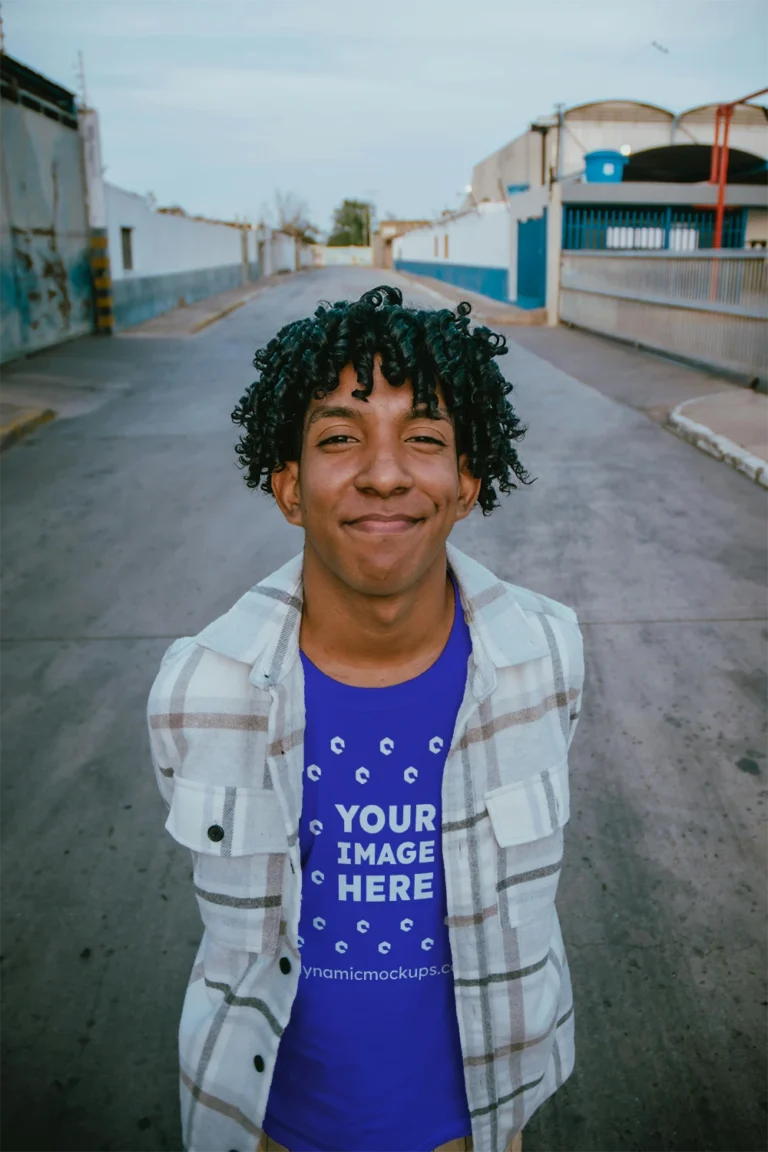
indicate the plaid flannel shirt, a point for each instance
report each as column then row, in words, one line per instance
column 226, row 722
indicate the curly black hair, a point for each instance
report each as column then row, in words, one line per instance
column 418, row 347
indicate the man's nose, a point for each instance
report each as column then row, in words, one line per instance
column 384, row 471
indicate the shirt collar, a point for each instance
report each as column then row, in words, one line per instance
column 502, row 633
column 262, row 627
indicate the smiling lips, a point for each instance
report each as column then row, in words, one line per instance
column 385, row 525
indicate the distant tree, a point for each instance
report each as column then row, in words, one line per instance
column 292, row 217
column 352, row 225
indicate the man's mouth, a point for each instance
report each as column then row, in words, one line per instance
column 377, row 523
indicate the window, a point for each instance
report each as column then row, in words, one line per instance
column 445, row 245
column 437, row 250
column 126, row 239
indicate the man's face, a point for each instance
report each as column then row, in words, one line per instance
column 379, row 486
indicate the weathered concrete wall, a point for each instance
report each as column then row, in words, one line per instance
column 141, row 298
column 45, row 277
column 11, row 338
column 709, row 307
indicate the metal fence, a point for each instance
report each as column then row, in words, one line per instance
column 709, row 307
column 675, row 228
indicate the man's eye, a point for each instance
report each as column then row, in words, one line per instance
column 428, row 440
column 339, row 438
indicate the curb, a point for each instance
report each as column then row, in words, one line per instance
column 22, row 425
column 198, row 327
column 718, row 446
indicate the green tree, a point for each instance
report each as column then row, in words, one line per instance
column 352, row 224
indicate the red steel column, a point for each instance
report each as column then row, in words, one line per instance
column 717, row 241
column 715, row 165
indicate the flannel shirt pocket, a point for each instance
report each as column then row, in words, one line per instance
column 527, row 819
column 239, row 848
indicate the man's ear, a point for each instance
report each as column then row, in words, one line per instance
column 285, row 485
column 469, row 489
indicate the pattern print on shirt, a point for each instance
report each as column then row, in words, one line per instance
column 378, row 853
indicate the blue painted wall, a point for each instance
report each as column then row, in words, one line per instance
column 491, row 282
column 139, row 299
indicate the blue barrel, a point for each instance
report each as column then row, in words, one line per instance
column 604, row 167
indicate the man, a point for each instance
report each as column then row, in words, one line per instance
column 367, row 756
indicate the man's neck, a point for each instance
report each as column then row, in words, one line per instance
column 374, row 641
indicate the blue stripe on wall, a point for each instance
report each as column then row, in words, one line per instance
column 493, row 282
column 136, row 299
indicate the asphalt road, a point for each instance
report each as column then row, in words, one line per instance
column 129, row 525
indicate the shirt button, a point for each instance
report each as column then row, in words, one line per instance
column 285, row 965
column 215, row 833
column 258, row 1063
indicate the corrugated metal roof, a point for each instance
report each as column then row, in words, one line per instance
column 619, row 111
column 742, row 114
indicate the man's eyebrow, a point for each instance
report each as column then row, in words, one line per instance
column 423, row 413
column 339, row 412
column 333, row 411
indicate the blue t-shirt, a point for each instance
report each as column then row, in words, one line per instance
column 371, row 1058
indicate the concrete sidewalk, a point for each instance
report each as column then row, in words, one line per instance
column 733, row 426
column 35, row 390
column 711, row 411
column 60, row 382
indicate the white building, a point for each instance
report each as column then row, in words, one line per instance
column 470, row 249
column 555, row 147
column 617, row 174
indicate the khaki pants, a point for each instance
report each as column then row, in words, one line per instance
column 462, row 1144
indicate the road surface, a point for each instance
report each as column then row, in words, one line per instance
column 129, row 524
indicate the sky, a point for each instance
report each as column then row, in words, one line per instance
column 215, row 104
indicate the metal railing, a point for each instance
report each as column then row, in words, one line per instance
column 710, row 307
column 676, row 227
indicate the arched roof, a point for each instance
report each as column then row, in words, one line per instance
column 742, row 114
column 619, row 111
column 690, row 164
